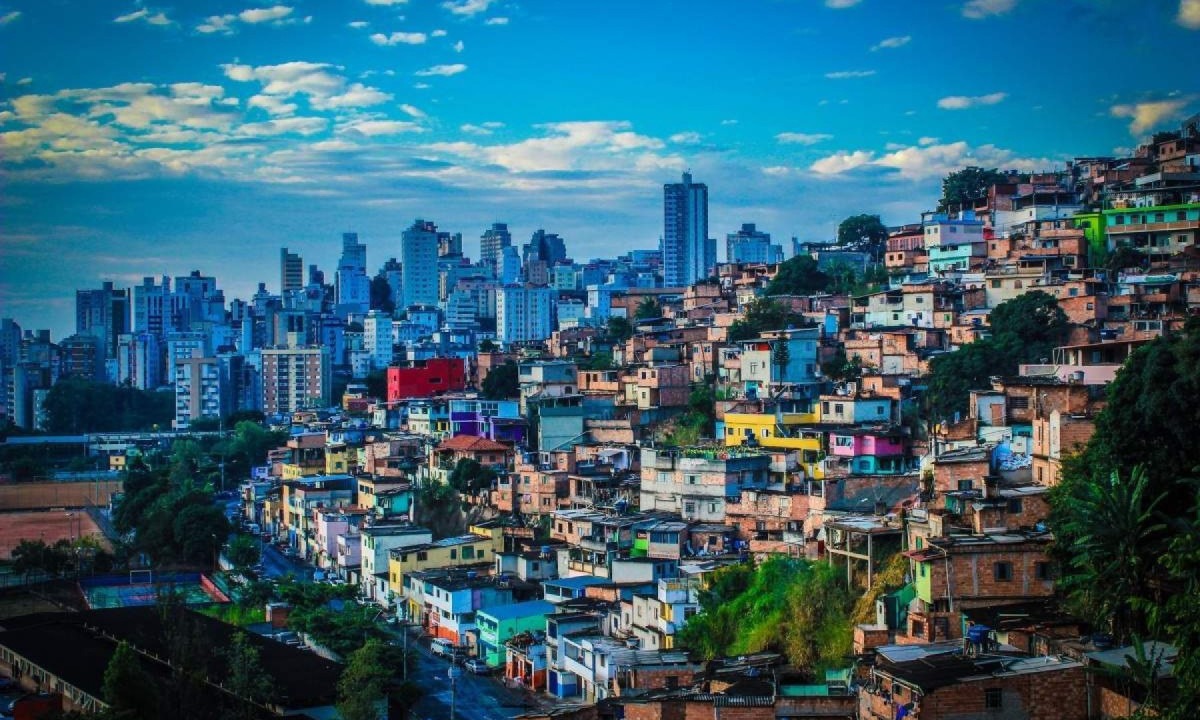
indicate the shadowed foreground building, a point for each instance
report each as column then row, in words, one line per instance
column 67, row 654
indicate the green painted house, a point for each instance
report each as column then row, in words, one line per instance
column 500, row 624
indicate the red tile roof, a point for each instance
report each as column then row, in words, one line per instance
column 470, row 443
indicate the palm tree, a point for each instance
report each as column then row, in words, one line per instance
column 1119, row 539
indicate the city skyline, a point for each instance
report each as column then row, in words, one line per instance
column 222, row 131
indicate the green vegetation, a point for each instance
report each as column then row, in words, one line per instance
column 864, row 233
column 798, row 276
column 64, row 557
column 648, row 309
column 762, row 315
column 697, row 422
column 840, row 367
column 791, row 606
column 599, row 361
column 1126, row 515
column 501, row 382
column 370, row 679
column 128, row 688
column 171, row 519
column 964, row 187
column 469, row 477
column 619, row 329
column 243, row 551
column 74, row 406
column 1023, row 330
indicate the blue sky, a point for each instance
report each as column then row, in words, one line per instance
column 146, row 139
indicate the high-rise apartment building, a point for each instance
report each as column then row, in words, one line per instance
column 295, row 378
column 139, row 360
column 353, row 286
column 197, row 383
column 689, row 254
column 547, row 247
column 492, row 243
column 524, row 313
column 291, row 271
column 750, row 245
column 104, row 314
column 377, row 338
column 419, row 264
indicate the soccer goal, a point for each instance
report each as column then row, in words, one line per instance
column 141, row 577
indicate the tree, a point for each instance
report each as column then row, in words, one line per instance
column 244, row 677
column 362, row 689
column 127, row 687
column 781, row 356
column 381, row 295
column 762, row 315
column 469, row 477
column 487, row 346
column 1117, row 539
column 865, row 233
column 648, row 309
column 1025, row 329
column 963, row 187
column 243, row 551
column 198, row 529
column 600, row 361
column 501, row 382
column 1125, row 257
column 619, row 329
column 798, row 276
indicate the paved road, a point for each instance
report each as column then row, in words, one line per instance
column 476, row 697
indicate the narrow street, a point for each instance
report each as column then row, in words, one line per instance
column 476, row 697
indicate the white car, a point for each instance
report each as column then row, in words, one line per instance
column 477, row 666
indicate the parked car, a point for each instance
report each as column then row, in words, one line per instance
column 476, row 666
column 442, row 648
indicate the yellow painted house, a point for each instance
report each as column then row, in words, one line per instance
column 468, row 549
column 786, row 431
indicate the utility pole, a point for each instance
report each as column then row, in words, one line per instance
column 452, row 673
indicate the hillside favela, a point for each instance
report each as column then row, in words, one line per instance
column 634, row 360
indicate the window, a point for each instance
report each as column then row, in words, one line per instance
column 918, row 628
column 1043, row 571
column 453, row 554
column 1014, row 506
column 468, row 553
column 993, row 698
column 422, row 556
column 1003, row 571
column 692, row 479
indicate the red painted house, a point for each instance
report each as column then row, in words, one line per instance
column 426, row 378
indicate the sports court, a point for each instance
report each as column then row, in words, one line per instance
column 144, row 587
column 49, row 526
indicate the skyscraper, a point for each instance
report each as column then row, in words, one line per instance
column 492, row 243
column 104, row 314
column 750, row 245
column 419, row 265
column 291, row 271
column 353, row 287
column 689, row 254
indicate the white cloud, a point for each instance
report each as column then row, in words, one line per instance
column 442, row 70
column 847, row 74
column 399, row 38
column 226, row 24
column 438, row 33
column 458, row 46
column 10, row 17
column 471, row 129
column 496, row 21
column 1147, row 115
column 777, row 170
column 892, row 43
column 927, row 141
column 413, row 111
column 686, row 138
column 272, row 104
column 261, row 15
column 493, row 124
column 146, row 16
column 841, row 4
column 281, row 126
column 386, row 3
column 980, row 9
column 841, row 162
column 795, row 138
column 926, row 161
column 963, row 102
column 730, row 121
column 467, row 8
column 566, row 146
column 374, row 127
column 422, row 86
column 1189, row 14
column 358, row 24
column 324, row 88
